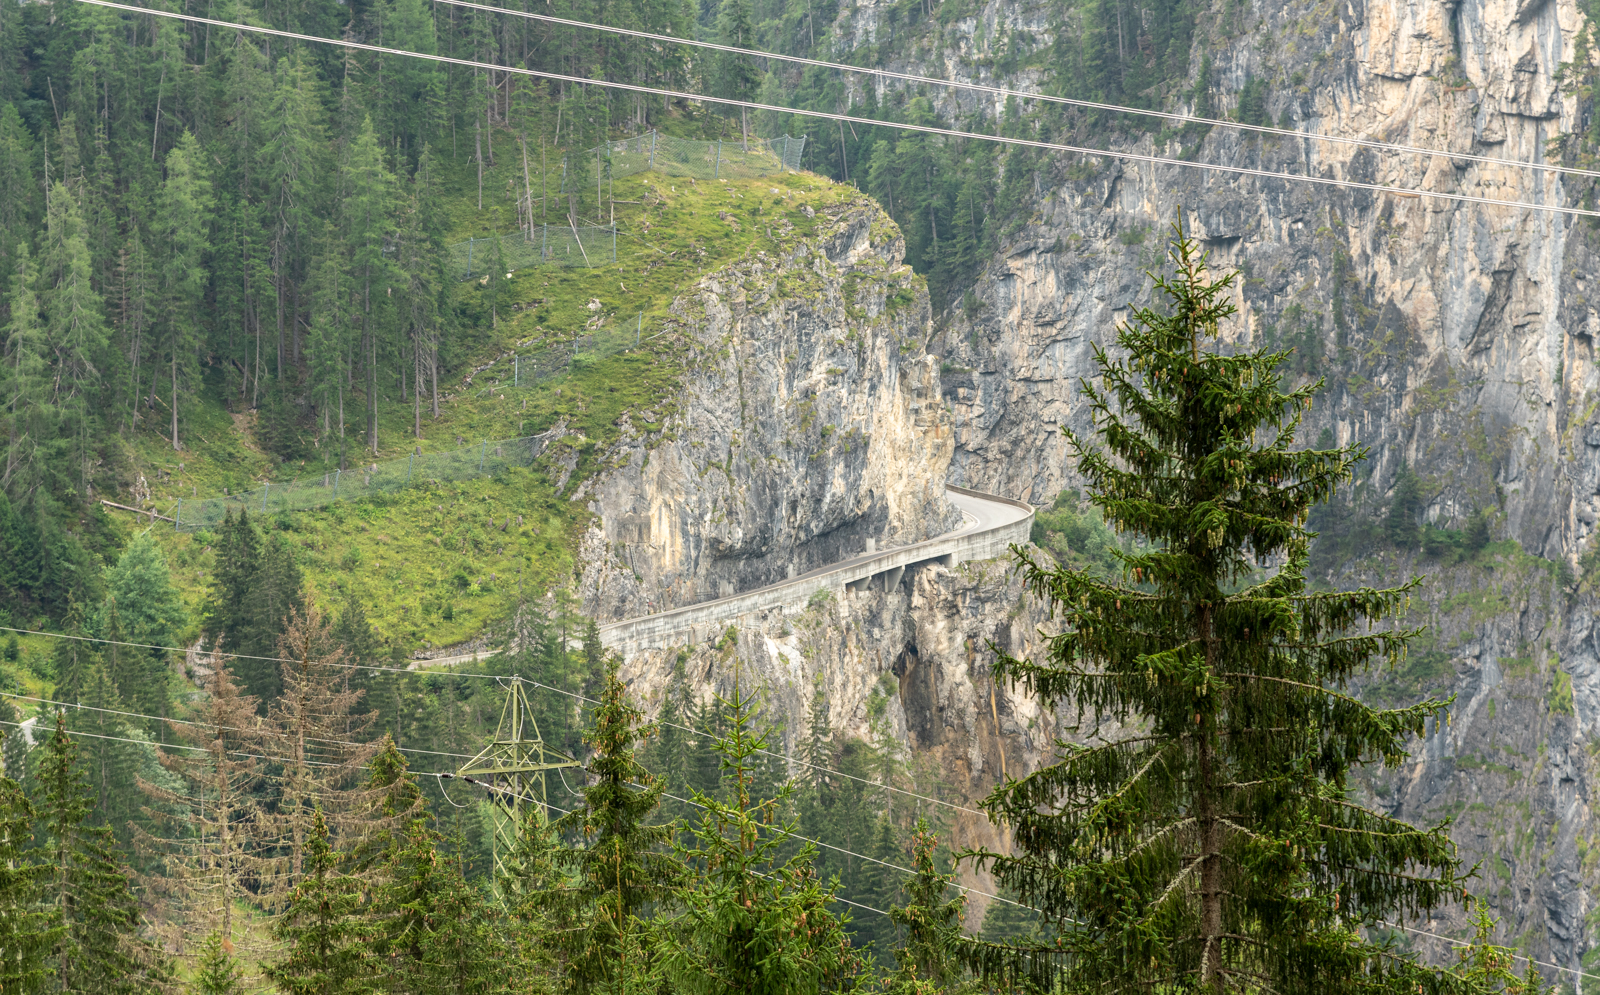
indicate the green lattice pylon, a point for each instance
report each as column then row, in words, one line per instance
column 514, row 765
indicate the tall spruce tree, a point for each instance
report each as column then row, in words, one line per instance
column 320, row 930
column 315, row 734
column 28, row 928
column 98, row 949
column 217, row 972
column 755, row 917
column 183, row 217
column 621, row 867
column 255, row 589
column 148, row 609
column 79, row 337
column 527, row 875
column 1211, row 844
column 29, row 417
column 929, row 921
column 209, row 846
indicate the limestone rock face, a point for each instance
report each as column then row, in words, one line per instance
column 1456, row 339
column 919, row 651
column 809, row 428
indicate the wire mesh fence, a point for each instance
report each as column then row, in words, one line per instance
column 482, row 459
column 551, row 245
column 703, row 160
column 573, row 244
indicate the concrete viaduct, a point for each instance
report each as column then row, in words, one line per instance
column 990, row 524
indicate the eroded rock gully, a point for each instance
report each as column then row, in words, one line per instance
column 924, row 642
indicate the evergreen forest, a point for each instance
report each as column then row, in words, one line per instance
column 232, row 261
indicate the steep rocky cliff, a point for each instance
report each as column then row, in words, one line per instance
column 916, row 655
column 1457, row 341
column 809, row 428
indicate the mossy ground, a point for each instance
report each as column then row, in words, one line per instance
column 425, row 560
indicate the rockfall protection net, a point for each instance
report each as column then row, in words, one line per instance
column 707, row 160
column 477, row 460
column 505, row 375
column 573, row 244
column 555, row 245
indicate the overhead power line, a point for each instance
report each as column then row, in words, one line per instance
column 442, row 776
column 497, row 677
column 78, row 706
column 1000, row 91
column 1326, row 181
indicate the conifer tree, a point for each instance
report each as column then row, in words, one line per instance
column 98, row 949
column 295, row 168
column 460, row 930
column 73, row 659
column 256, row 587
column 1211, row 845
column 368, row 185
column 621, row 867
column 929, row 921
column 28, row 929
column 19, row 209
column 392, row 803
column 422, row 923
column 76, row 329
column 313, row 725
column 320, row 928
column 673, row 746
column 755, row 917
column 182, row 218
column 110, row 763
column 527, row 875
column 28, row 415
column 737, row 77
column 238, row 559
column 148, row 609
column 217, row 972
column 209, row 847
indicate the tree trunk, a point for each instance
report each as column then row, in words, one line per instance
column 175, row 446
column 1210, row 839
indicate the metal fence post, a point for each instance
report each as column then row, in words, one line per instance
column 516, row 370
column 336, row 474
column 482, row 454
column 177, row 516
column 470, row 240
column 613, row 241
column 410, row 459
column 640, row 330
column 652, row 149
column 544, row 238
column 717, row 170
column 265, row 490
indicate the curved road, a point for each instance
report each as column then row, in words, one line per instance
column 990, row 524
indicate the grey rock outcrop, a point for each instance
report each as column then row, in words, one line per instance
column 919, row 652
column 1457, row 340
column 809, row 427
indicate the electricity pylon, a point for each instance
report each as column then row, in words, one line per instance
column 514, row 765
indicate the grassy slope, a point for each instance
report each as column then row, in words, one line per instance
column 424, row 560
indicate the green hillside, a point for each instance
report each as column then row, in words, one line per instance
column 426, row 561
